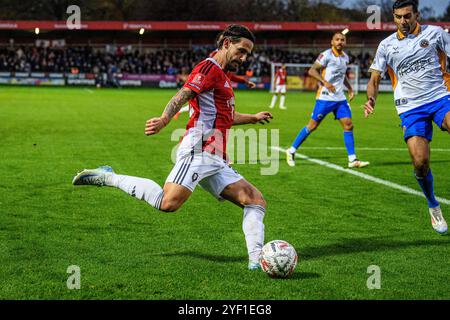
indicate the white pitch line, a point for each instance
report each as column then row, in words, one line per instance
column 88, row 90
column 371, row 149
column 364, row 176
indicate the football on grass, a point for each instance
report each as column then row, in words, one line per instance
column 278, row 259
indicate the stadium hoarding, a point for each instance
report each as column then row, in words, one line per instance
column 87, row 79
column 150, row 80
column 29, row 81
column 199, row 25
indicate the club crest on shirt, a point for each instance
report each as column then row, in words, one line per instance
column 199, row 79
column 424, row 43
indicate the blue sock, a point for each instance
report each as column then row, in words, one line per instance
column 349, row 142
column 302, row 135
column 427, row 185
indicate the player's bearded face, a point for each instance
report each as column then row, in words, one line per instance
column 406, row 19
column 339, row 42
column 237, row 54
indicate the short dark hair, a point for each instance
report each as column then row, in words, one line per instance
column 404, row 3
column 219, row 38
column 235, row 32
column 338, row 32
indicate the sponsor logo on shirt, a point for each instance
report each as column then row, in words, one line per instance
column 414, row 66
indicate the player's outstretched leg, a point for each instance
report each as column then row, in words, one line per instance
column 168, row 200
column 349, row 141
column 140, row 188
column 245, row 195
column 301, row 137
column 420, row 154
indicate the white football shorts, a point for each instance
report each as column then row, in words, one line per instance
column 210, row 171
column 280, row 88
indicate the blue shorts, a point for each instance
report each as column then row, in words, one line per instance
column 418, row 121
column 341, row 109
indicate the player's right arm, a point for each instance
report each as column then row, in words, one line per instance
column 315, row 72
column 377, row 69
column 201, row 79
column 155, row 125
column 372, row 92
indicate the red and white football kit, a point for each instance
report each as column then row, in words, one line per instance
column 202, row 151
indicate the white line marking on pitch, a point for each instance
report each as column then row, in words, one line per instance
column 364, row 176
column 88, row 90
column 371, row 149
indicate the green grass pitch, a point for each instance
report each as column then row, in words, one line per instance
column 339, row 224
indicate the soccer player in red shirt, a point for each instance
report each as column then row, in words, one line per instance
column 230, row 74
column 280, row 87
column 201, row 154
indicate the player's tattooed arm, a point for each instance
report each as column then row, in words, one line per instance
column 154, row 125
column 261, row 117
column 372, row 92
column 178, row 100
column 315, row 72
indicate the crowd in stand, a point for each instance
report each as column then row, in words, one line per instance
column 130, row 60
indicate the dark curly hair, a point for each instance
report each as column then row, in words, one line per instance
column 235, row 32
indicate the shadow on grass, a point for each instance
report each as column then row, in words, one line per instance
column 205, row 256
column 298, row 275
column 408, row 162
column 348, row 246
column 304, row 275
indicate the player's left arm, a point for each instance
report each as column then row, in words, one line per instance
column 240, row 79
column 243, row 118
column 155, row 125
column 351, row 94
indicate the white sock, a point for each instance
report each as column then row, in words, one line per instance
column 282, row 101
column 351, row 158
column 253, row 228
column 140, row 188
column 274, row 100
column 292, row 150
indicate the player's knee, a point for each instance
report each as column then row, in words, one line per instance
column 421, row 166
column 348, row 126
column 446, row 124
column 169, row 205
column 312, row 126
column 255, row 197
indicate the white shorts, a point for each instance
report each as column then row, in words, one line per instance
column 280, row 88
column 210, row 171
